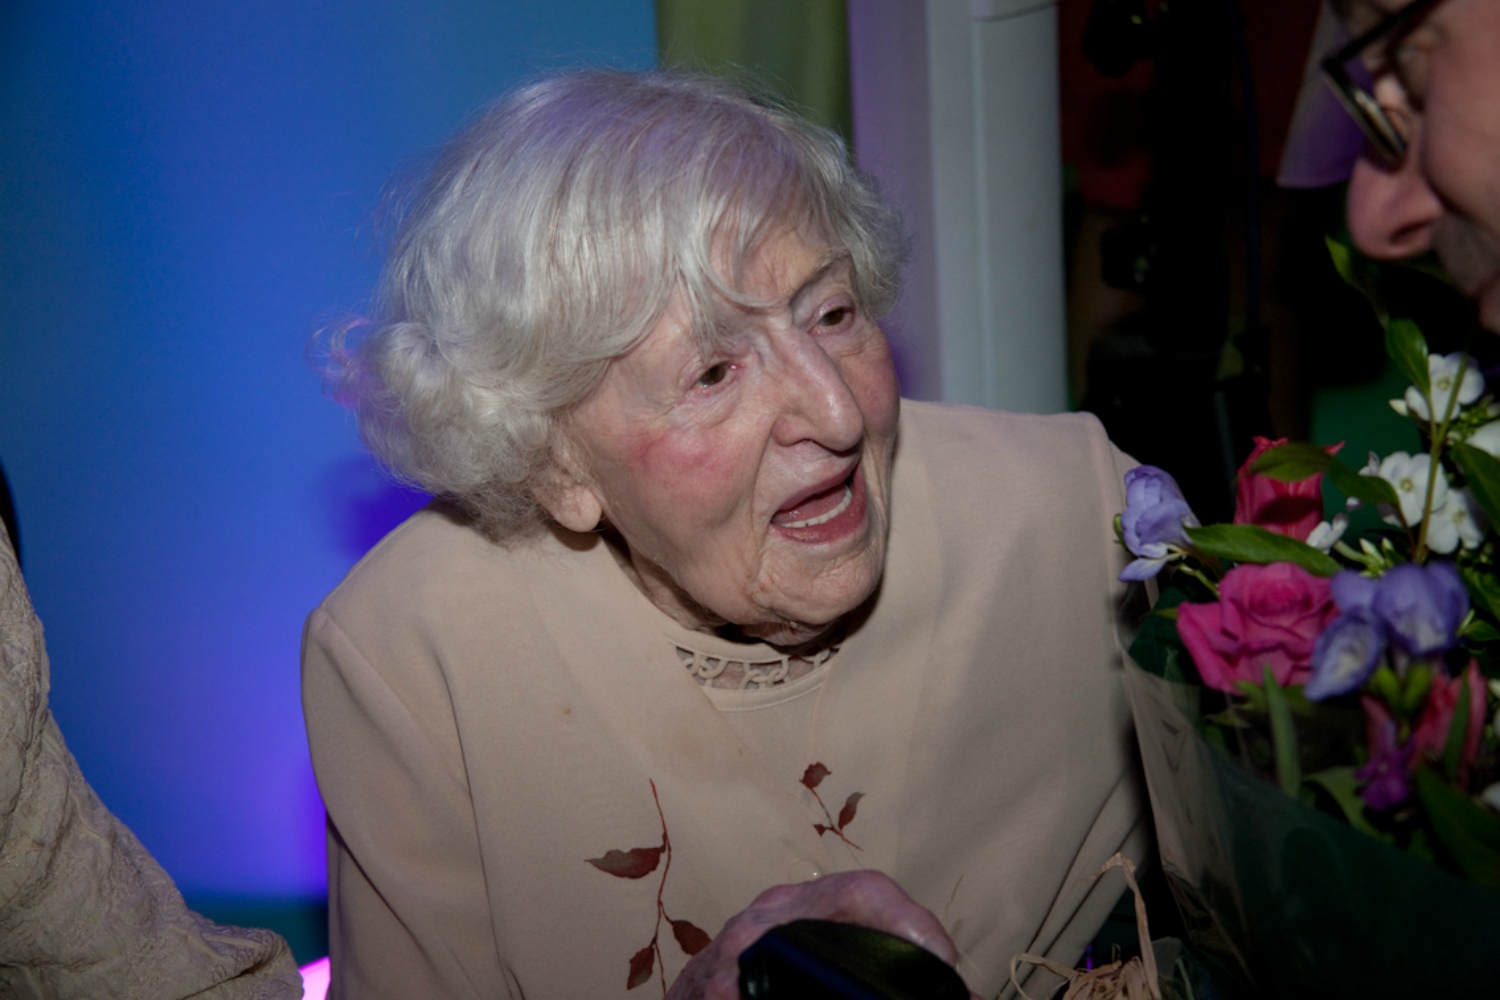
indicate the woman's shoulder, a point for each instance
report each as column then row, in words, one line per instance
column 965, row 424
column 1014, row 451
column 437, row 560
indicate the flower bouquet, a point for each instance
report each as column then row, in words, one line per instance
column 1316, row 712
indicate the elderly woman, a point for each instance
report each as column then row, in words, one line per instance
column 701, row 608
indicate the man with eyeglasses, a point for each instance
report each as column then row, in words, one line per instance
column 1423, row 80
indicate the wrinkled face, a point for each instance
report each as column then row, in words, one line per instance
column 750, row 485
column 1446, row 195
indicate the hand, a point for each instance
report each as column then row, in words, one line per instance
column 868, row 898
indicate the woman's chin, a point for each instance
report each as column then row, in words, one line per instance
column 790, row 632
column 785, row 633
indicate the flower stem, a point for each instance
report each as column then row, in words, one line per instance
column 1200, row 576
column 1438, row 431
column 1283, row 736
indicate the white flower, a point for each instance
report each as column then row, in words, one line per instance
column 1326, row 535
column 1408, row 475
column 1442, row 376
column 1487, row 438
column 1491, row 796
column 1457, row 519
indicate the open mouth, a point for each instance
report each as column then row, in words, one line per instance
column 842, row 504
column 818, row 508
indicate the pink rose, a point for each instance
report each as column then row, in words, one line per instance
column 1430, row 737
column 1291, row 509
column 1266, row 616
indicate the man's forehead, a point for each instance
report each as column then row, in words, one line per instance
column 1362, row 14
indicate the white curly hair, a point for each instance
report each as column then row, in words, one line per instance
column 549, row 236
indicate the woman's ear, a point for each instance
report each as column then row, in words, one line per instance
column 567, row 495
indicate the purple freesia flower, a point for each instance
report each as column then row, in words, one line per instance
column 1421, row 606
column 1386, row 778
column 1418, row 608
column 1153, row 521
column 1386, row 783
column 1345, row 655
column 1352, row 592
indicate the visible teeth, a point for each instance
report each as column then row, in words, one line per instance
column 824, row 518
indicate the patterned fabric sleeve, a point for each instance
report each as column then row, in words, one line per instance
column 85, row 912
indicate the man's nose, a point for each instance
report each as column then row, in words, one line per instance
column 1392, row 210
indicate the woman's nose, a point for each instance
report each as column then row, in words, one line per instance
column 1391, row 210
column 817, row 403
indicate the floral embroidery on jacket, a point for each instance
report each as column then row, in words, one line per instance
column 811, row 779
column 638, row 862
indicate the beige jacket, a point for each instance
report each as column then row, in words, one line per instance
column 485, row 720
column 85, row 912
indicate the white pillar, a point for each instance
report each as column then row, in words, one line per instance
column 956, row 113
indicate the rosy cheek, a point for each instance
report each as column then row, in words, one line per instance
column 872, row 379
column 679, row 468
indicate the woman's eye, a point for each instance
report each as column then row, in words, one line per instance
column 836, row 316
column 713, row 375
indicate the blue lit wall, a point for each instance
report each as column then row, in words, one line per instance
column 184, row 194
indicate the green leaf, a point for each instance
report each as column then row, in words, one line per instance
column 1339, row 783
column 1156, row 647
column 1293, row 462
column 1283, row 736
column 1229, row 718
column 1428, row 264
column 1214, row 737
column 1385, row 685
column 1254, row 695
column 1365, row 489
column 1372, row 278
column 1296, row 700
column 1343, row 260
column 1479, row 631
column 1408, row 349
column 1482, row 471
column 1469, row 832
column 1357, row 271
column 1246, row 543
column 1413, row 690
column 1458, row 731
column 1483, row 588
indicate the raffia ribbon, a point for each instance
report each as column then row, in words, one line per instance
column 1132, row 980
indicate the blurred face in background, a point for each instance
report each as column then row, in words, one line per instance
column 1438, row 79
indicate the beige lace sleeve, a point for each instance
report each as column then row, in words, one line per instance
column 85, row 912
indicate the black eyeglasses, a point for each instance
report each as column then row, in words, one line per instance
column 1346, row 73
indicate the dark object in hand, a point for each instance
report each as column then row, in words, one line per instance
column 826, row 959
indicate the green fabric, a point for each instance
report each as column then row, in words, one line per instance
column 1279, row 899
column 797, row 50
